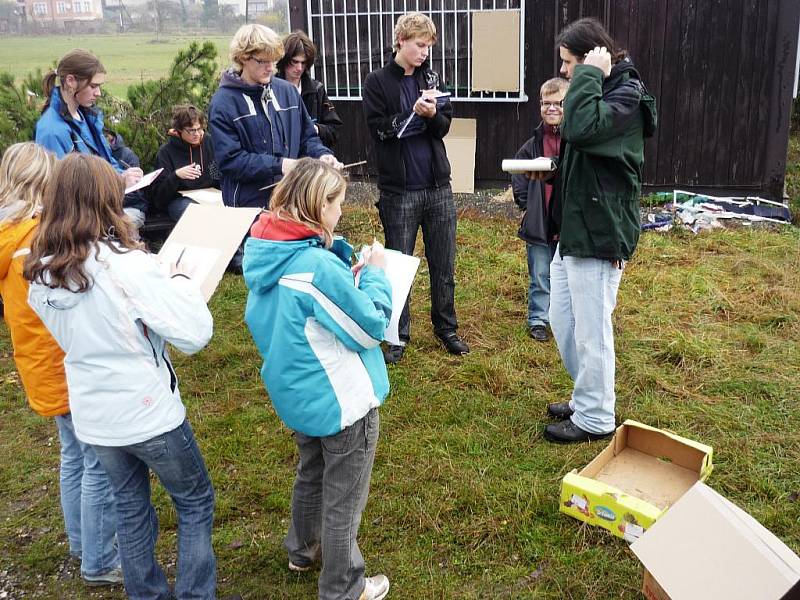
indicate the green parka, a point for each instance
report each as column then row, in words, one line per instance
column 600, row 168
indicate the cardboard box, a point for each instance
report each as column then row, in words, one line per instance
column 707, row 547
column 641, row 473
column 460, row 145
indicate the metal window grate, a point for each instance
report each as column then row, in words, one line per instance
column 355, row 37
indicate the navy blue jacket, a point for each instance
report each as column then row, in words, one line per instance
column 254, row 128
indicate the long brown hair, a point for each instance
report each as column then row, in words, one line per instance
column 81, row 63
column 581, row 36
column 300, row 195
column 25, row 172
column 82, row 207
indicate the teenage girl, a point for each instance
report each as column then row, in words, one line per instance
column 112, row 310
column 86, row 498
column 319, row 334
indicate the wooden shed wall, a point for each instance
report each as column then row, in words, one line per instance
column 722, row 71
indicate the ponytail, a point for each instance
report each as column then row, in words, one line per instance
column 48, row 83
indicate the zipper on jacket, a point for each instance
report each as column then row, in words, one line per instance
column 152, row 348
column 173, row 378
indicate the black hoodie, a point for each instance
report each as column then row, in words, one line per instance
column 173, row 155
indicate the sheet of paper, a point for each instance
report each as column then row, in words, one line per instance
column 209, row 196
column 400, row 271
column 217, row 229
column 199, row 257
column 144, row 181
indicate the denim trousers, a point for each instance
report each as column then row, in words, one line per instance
column 539, row 258
column 329, row 496
column 176, row 460
column 90, row 517
column 583, row 296
column 177, row 206
column 434, row 210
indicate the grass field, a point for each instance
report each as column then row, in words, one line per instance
column 464, row 499
column 128, row 58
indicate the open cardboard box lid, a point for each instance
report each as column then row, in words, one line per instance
column 707, row 547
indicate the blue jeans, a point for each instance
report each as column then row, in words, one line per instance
column 87, row 501
column 539, row 257
column 177, row 206
column 329, row 495
column 175, row 458
column 583, row 296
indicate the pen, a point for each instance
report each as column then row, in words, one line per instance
column 124, row 164
column 180, row 256
column 349, row 166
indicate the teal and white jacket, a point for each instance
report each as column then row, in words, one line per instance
column 318, row 333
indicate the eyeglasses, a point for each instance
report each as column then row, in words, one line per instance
column 195, row 131
column 261, row 62
column 548, row 104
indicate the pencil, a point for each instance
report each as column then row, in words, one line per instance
column 180, row 256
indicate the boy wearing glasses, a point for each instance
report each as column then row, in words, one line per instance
column 187, row 159
column 536, row 199
column 259, row 123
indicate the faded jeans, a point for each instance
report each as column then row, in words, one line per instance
column 583, row 296
column 329, row 495
column 175, row 458
column 87, row 501
column 539, row 258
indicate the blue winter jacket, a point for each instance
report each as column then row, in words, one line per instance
column 254, row 128
column 318, row 333
column 57, row 131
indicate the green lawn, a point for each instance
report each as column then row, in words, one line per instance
column 464, row 499
column 128, row 58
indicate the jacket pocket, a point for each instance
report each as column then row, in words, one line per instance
column 602, row 218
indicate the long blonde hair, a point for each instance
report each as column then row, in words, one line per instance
column 25, row 171
column 82, row 208
column 300, row 195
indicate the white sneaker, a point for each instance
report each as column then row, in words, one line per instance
column 375, row 588
column 298, row 568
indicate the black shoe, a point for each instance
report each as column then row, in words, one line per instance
column 392, row 354
column 453, row 343
column 559, row 410
column 566, row 432
column 539, row 333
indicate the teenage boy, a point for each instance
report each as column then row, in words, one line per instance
column 259, row 123
column 413, row 170
column 536, row 199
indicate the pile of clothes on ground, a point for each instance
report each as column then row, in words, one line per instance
column 701, row 211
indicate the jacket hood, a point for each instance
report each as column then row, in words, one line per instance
column 232, row 79
column 11, row 236
column 265, row 261
column 275, row 244
column 117, row 141
column 618, row 71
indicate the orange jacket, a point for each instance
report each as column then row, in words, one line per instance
column 39, row 359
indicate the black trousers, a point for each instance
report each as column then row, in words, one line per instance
column 434, row 210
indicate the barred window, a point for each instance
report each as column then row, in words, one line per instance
column 354, row 37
